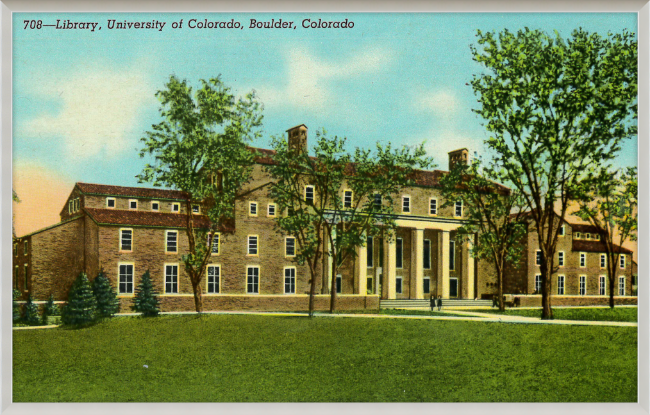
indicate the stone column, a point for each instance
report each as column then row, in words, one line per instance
column 389, row 270
column 362, row 268
column 443, row 264
column 417, row 264
column 467, row 276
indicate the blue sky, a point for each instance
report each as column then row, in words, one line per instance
column 82, row 100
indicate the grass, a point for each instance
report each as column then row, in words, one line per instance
column 588, row 314
column 248, row 358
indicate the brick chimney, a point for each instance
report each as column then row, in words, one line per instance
column 458, row 156
column 297, row 137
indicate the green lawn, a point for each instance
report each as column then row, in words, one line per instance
column 590, row 314
column 224, row 358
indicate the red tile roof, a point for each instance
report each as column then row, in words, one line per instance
column 144, row 218
column 595, row 246
column 154, row 193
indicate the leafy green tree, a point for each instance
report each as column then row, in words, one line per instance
column 200, row 148
column 16, row 306
column 609, row 200
column 494, row 226
column 51, row 309
column 145, row 300
column 107, row 302
column 328, row 218
column 81, row 307
column 553, row 107
column 30, row 313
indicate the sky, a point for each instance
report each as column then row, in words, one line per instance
column 82, row 99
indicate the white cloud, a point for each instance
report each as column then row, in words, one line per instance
column 99, row 109
column 439, row 142
column 443, row 103
column 309, row 78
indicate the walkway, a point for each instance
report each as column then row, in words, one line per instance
column 467, row 316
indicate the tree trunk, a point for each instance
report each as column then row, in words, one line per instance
column 611, row 274
column 547, row 311
column 502, row 304
column 312, row 290
column 333, row 286
column 198, row 298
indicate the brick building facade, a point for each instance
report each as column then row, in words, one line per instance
column 126, row 231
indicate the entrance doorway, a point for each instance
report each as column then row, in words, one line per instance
column 453, row 287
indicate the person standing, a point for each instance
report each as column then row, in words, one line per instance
column 432, row 302
column 439, row 302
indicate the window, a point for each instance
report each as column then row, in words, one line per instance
column 370, row 251
column 597, row 237
column 290, row 280
column 369, row 285
column 309, row 194
column 25, row 247
column 25, row 279
column 377, row 201
column 15, row 249
column 588, row 236
column 583, row 259
column 427, row 254
column 603, row 260
column 433, row 206
column 290, row 246
column 538, row 257
column 155, row 205
column 398, row 285
column 171, row 241
column 176, row 207
column 561, row 233
column 252, row 245
column 171, row 279
column 70, row 206
column 196, row 209
column 347, row 199
column 406, row 204
column 214, row 273
column 577, row 235
column 560, row 259
column 458, row 211
column 253, row 280
column 215, row 243
column 110, row 202
column 126, row 240
column 270, row 212
column 538, row 284
column 601, row 285
column 583, row 285
column 125, row 278
column 622, row 261
column 339, row 284
column 133, row 204
column 252, row 209
column 399, row 253
column 452, row 255
column 426, row 285
column 621, row 284
column 77, row 205
column 560, row 284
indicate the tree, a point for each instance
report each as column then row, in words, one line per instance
column 200, row 148
column 30, row 313
column 82, row 306
column 553, row 108
column 328, row 215
column 494, row 227
column 107, row 302
column 608, row 200
column 16, row 306
column 51, row 309
column 145, row 300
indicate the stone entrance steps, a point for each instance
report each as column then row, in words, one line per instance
column 426, row 303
